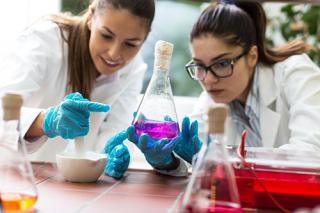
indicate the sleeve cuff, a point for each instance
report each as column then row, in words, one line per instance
column 34, row 144
column 181, row 171
column 28, row 115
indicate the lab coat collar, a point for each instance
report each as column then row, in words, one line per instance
column 269, row 118
column 268, row 89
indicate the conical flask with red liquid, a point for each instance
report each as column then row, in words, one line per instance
column 156, row 114
column 212, row 186
column 17, row 189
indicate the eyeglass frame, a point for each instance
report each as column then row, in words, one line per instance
column 208, row 68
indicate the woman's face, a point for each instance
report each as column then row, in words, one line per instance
column 207, row 50
column 116, row 37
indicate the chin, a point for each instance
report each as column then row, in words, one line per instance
column 109, row 71
column 220, row 100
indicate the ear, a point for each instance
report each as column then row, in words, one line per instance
column 252, row 56
column 90, row 16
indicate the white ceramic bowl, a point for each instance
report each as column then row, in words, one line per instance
column 85, row 168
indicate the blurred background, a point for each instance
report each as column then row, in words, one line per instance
column 173, row 22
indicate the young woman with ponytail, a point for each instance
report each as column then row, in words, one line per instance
column 273, row 94
column 94, row 57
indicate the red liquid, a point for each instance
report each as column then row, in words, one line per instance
column 224, row 209
column 214, row 209
column 291, row 190
column 157, row 129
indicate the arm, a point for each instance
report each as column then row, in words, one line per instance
column 301, row 89
column 35, row 129
column 24, row 68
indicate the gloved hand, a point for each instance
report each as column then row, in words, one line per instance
column 190, row 143
column 158, row 153
column 70, row 119
column 118, row 156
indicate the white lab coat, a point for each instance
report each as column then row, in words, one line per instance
column 36, row 67
column 289, row 108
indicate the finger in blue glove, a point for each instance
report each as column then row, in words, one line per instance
column 70, row 118
column 117, row 162
column 132, row 135
column 158, row 153
column 190, row 143
column 114, row 141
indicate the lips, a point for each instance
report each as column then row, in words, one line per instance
column 216, row 92
column 110, row 63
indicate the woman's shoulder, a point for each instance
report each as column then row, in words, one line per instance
column 44, row 29
column 295, row 64
column 43, row 25
column 295, row 61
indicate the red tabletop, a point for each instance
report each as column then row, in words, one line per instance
column 137, row 191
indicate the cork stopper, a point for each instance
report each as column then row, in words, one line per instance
column 11, row 105
column 216, row 118
column 163, row 53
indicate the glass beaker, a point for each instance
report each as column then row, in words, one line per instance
column 156, row 114
column 17, row 188
column 212, row 186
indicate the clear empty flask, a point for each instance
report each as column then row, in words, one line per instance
column 17, row 188
column 156, row 114
column 212, row 186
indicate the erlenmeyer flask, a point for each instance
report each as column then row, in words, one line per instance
column 17, row 188
column 212, row 186
column 156, row 114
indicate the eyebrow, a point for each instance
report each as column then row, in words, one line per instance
column 129, row 39
column 215, row 58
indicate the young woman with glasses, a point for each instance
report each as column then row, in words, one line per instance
column 273, row 94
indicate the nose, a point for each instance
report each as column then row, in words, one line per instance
column 115, row 51
column 211, row 79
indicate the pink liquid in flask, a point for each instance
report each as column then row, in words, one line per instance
column 157, row 129
column 213, row 209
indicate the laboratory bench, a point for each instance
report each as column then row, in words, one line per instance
column 138, row 191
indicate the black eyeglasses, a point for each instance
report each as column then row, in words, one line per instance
column 220, row 69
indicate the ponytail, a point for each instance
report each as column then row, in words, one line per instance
column 267, row 55
column 243, row 24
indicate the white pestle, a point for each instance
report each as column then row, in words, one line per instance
column 84, row 166
column 79, row 147
column 81, row 165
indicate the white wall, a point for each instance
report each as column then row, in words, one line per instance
column 15, row 15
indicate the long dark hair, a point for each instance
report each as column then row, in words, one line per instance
column 243, row 23
column 81, row 70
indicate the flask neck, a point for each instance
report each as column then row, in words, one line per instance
column 162, row 62
column 10, row 134
column 160, row 73
column 217, row 138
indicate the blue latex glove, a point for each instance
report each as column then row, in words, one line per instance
column 118, row 156
column 190, row 143
column 70, row 119
column 158, row 153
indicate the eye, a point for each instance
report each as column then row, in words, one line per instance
column 221, row 64
column 200, row 67
column 130, row 45
column 106, row 36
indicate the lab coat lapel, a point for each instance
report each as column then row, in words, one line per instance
column 269, row 118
